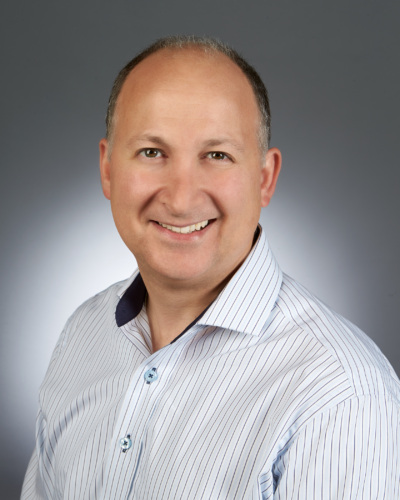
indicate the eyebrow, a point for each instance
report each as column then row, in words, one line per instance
column 159, row 141
column 221, row 141
column 147, row 138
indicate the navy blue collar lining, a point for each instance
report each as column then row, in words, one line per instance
column 131, row 302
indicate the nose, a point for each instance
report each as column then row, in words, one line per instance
column 182, row 191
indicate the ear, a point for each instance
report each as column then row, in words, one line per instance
column 105, row 168
column 269, row 174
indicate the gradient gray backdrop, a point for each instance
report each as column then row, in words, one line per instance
column 333, row 74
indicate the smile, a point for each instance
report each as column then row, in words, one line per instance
column 186, row 229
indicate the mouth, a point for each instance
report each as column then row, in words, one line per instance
column 187, row 229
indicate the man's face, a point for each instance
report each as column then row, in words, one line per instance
column 185, row 174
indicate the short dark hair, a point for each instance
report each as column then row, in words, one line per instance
column 208, row 45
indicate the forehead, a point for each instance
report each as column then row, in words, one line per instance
column 191, row 73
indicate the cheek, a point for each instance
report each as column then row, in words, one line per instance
column 241, row 194
column 128, row 188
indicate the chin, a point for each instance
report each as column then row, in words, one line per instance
column 182, row 275
column 181, row 271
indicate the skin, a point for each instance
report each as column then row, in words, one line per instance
column 184, row 150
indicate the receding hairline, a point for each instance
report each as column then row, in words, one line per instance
column 208, row 47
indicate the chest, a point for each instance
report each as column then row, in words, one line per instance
column 190, row 421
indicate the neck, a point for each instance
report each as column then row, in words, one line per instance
column 171, row 309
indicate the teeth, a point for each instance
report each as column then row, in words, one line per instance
column 186, row 229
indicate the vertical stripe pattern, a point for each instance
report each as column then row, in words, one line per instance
column 269, row 395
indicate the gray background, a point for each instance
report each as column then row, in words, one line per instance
column 332, row 70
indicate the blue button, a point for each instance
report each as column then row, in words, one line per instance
column 125, row 443
column 151, row 375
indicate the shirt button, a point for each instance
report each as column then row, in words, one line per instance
column 151, row 375
column 125, row 443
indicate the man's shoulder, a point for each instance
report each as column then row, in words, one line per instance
column 103, row 299
column 367, row 369
column 95, row 313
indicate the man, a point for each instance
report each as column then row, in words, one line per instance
column 209, row 374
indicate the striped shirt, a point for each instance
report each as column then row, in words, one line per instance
column 269, row 394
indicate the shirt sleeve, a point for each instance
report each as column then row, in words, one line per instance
column 348, row 452
column 32, row 488
column 39, row 471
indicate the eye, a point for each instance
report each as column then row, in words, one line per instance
column 151, row 153
column 218, row 155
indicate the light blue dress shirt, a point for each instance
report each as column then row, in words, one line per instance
column 269, row 394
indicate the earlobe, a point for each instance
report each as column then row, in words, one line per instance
column 269, row 175
column 105, row 168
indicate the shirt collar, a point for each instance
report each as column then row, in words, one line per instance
column 246, row 302
column 243, row 305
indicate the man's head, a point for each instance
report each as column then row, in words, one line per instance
column 183, row 169
column 207, row 45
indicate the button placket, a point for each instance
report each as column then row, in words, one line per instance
column 140, row 397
